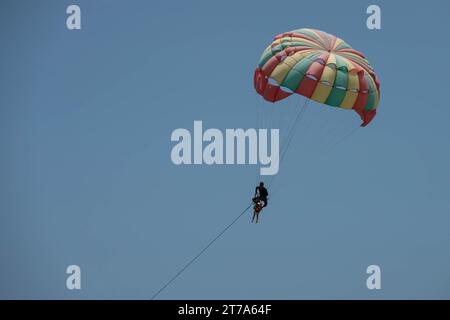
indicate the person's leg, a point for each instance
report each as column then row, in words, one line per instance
column 257, row 217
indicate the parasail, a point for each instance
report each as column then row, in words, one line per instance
column 321, row 67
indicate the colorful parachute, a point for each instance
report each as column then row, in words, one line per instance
column 321, row 67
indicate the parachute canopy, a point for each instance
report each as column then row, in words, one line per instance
column 319, row 66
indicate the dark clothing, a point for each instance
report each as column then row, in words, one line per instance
column 262, row 193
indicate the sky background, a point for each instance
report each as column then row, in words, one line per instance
column 86, row 176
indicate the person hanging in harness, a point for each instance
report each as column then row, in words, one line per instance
column 259, row 200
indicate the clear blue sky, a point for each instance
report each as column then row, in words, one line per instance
column 86, row 175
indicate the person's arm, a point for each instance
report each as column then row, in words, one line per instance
column 256, row 191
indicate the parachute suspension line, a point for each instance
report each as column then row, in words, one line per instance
column 341, row 139
column 293, row 130
column 290, row 136
column 199, row 254
column 328, row 149
column 258, row 123
column 273, row 117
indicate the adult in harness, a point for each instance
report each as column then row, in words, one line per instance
column 259, row 201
